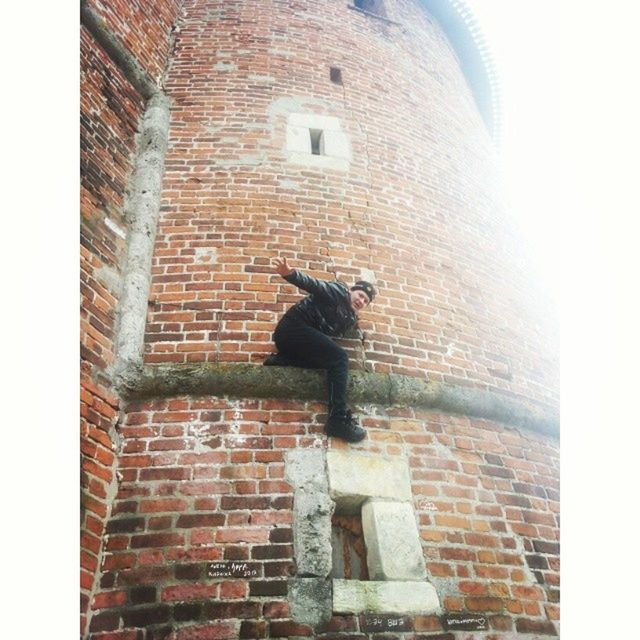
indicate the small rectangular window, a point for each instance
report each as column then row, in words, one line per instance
column 335, row 75
column 317, row 142
column 349, row 551
column 376, row 7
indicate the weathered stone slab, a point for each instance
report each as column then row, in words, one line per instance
column 312, row 510
column 354, row 478
column 394, row 551
column 310, row 600
column 354, row 596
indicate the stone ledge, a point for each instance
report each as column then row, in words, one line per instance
column 355, row 596
column 257, row 381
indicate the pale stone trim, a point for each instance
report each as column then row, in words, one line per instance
column 254, row 381
column 393, row 544
column 354, row 596
column 336, row 152
column 354, row 478
column 305, row 470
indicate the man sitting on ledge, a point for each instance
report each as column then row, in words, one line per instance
column 302, row 338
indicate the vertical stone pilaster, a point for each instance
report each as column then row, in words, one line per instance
column 142, row 212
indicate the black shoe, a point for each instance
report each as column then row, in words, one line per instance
column 277, row 360
column 344, row 426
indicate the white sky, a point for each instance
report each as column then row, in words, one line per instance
column 570, row 82
column 567, row 68
column 546, row 54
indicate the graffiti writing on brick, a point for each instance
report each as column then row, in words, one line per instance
column 370, row 623
column 232, row 570
column 464, row 622
column 426, row 505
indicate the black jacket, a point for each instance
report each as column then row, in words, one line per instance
column 327, row 309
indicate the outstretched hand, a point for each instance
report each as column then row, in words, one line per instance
column 281, row 267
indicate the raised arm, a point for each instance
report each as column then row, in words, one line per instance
column 281, row 266
column 321, row 288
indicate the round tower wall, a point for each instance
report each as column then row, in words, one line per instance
column 404, row 193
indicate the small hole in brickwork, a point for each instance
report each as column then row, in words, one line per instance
column 336, row 75
column 317, row 142
column 349, row 553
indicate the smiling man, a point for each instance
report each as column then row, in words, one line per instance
column 303, row 338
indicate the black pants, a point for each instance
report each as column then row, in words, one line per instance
column 307, row 347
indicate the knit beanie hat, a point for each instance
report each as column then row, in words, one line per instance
column 365, row 286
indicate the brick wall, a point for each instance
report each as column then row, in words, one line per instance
column 203, row 481
column 142, row 27
column 418, row 206
column 110, row 110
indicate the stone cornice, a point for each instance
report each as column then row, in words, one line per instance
column 255, row 381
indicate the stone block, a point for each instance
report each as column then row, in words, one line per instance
column 310, row 600
column 336, row 145
column 312, row 510
column 298, row 139
column 354, row 596
column 313, row 121
column 354, row 478
column 394, row 551
column 318, row 162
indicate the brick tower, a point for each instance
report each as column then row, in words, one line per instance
column 358, row 140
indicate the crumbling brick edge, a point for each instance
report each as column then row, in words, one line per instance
column 256, row 381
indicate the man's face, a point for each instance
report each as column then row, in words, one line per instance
column 359, row 300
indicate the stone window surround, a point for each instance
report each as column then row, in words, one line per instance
column 335, row 147
column 349, row 481
column 373, row 13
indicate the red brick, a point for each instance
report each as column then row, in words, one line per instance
column 189, row 592
column 157, row 506
column 496, row 573
column 169, row 444
column 156, row 540
column 501, row 623
column 484, row 604
column 532, row 608
column 119, row 561
column 473, row 588
column 527, row 593
column 457, row 554
column 233, row 589
column 109, row 599
column 212, row 631
column 287, row 628
column 440, row 570
column 253, row 629
column 525, row 625
column 452, row 522
column 276, row 610
column 120, row 635
column 200, row 520
column 246, row 534
column 243, row 471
